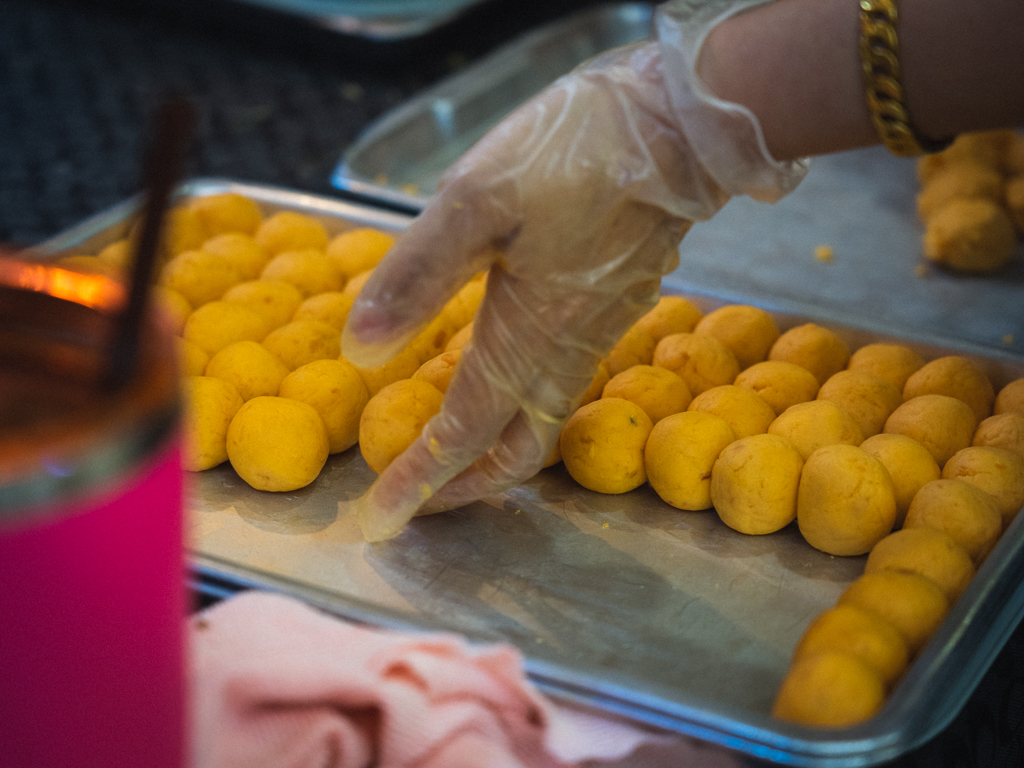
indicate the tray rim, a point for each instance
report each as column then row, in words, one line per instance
column 982, row 613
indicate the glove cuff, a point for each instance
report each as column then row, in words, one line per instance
column 726, row 137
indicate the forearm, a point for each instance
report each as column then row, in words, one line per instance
column 795, row 64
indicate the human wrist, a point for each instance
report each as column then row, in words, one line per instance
column 795, row 65
column 723, row 132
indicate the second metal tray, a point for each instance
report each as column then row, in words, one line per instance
column 401, row 156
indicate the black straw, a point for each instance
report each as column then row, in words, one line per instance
column 175, row 121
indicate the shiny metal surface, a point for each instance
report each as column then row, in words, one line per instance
column 379, row 20
column 621, row 602
column 401, row 156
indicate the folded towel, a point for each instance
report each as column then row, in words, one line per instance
column 278, row 683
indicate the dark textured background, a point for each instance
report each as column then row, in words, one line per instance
column 279, row 100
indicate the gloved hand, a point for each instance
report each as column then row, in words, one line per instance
column 576, row 204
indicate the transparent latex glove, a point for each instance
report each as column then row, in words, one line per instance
column 576, row 203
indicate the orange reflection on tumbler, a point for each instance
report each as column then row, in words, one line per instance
column 94, row 291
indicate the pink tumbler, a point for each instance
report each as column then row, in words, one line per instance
column 92, row 592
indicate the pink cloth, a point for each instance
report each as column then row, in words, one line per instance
column 278, row 683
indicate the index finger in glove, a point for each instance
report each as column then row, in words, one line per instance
column 445, row 246
column 502, row 410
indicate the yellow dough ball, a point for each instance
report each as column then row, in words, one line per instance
column 308, row 270
column 355, row 284
column 393, row 419
column 680, row 453
column 749, row 332
column 276, row 444
column 433, row 339
column 227, row 212
column 892, row 362
column 869, row 399
column 860, row 633
column 461, row 339
column 602, row 445
column 174, row 306
column 239, row 250
column 819, row 350
column 962, row 510
column 462, row 307
column 1011, row 398
column 402, row 366
column 272, row 300
column 597, row 385
column 192, row 359
column 744, row 410
column 997, row 472
column 1013, row 154
column 957, row 377
column 779, row 384
column 331, row 307
column 909, row 464
column 119, row 253
column 199, row 276
column 183, row 230
column 250, row 367
column 1004, row 430
column 210, row 405
column 928, row 552
column 1013, row 198
column 846, row 502
column 701, row 361
column 303, row 341
column 636, row 347
column 815, row 424
column 358, row 250
column 754, row 484
column 657, row 390
column 986, row 148
column 218, row 323
column 337, row 392
column 829, row 690
column 555, row 457
column 910, row 602
column 290, row 231
column 439, row 370
column 672, row 314
column 940, row 423
column 958, row 181
column 970, row 235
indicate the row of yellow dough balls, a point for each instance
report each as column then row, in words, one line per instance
column 972, row 201
column 252, row 436
column 612, row 445
column 852, row 656
column 260, row 304
column 860, row 395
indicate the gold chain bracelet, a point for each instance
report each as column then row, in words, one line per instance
column 880, row 65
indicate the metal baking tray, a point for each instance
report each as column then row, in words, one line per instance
column 401, row 156
column 618, row 602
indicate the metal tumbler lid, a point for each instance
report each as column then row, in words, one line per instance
column 62, row 432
